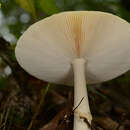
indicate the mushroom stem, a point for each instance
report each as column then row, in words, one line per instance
column 82, row 113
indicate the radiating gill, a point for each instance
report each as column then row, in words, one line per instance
column 74, row 24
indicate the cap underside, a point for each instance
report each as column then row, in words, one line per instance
column 47, row 49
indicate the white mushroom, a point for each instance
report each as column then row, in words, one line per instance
column 94, row 45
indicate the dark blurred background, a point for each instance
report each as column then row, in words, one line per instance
column 28, row 103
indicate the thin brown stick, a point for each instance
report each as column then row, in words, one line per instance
column 44, row 93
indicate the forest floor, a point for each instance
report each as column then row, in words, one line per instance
column 42, row 106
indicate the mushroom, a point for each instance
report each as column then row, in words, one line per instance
column 90, row 46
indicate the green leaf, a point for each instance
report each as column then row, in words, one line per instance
column 28, row 5
column 48, row 6
column 3, row 83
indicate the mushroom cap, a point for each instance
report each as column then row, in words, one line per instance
column 47, row 49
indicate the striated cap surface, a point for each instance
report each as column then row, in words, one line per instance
column 48, row 47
